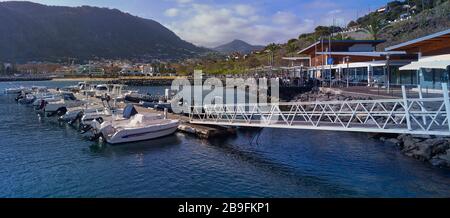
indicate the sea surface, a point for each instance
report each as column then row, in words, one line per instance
column 40, row 157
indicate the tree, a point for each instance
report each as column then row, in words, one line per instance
column 326, row 30
column 352, row 24
column 253, row 62
column 292, row 47
column 341, row 36
column 374, row 29
column 292, row 41
column 272, row 47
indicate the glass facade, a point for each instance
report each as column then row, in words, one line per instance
column 378, row 75
column 356, row 75
column 403, row 77
column 433, row 78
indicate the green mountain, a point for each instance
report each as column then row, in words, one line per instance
column 237, row 46
column 30, row 31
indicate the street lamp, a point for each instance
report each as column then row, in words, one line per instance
column 347, row 59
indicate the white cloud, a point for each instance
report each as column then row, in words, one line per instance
column 184, row 1
column 283, row 18
column 210, row 26
column 172, row 12
column 336, row 11
column 244, row 10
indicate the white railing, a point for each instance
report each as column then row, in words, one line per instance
column 405, row 115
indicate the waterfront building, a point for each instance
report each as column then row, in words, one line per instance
column 147, row 70
column 356, row 62
column 90, row 69
column 433, row 54
column 297, row 67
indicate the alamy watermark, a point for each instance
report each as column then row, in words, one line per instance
column 212, row 91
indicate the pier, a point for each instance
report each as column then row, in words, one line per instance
column 419, row 116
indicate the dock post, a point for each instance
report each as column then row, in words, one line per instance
column 424, row 119
column 166, row 94
column 446, row 102
column 165, row 113
column 405, row 101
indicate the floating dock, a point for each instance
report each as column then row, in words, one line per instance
column 201, row 131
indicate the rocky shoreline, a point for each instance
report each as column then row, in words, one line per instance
column 431, row 149
column 434, row 150
column 15, row 79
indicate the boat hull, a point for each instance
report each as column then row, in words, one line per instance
column 134, row 135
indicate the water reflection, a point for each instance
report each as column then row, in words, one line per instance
column 274, row 168
column 104, row 149
column 42, row 158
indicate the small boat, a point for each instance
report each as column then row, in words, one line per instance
column 132, row 127
column 17, row 90
column 44, row 98
column 77, row 112
column 27, row 100
column 99, row 115
column 161, row 105
column 60, row 107
column 39, row 89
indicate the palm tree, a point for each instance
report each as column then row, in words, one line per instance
column 341, row 36
column 291, row 47
column 374, row 29
column 272, row 47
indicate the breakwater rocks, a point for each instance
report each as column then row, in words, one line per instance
column 290, row 92
column 13, row 79
column 144, row 82
column 325, row 94
column 431, row 149
column 434, row 150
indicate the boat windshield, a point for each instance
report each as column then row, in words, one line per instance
column 129, row 111
column 102, row 88
column 69, row 96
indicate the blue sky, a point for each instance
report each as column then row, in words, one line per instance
column 212, row 22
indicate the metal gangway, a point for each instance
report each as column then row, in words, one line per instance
column 428, row 116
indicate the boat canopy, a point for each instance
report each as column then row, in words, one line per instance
column 129, row 111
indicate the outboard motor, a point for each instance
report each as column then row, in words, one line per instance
column 77, row 118
column 96, row 129
column 41, row 105
column 20, row 96
column 106, row 98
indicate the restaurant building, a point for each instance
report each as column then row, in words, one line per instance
column 433, row 54
column 357, row 62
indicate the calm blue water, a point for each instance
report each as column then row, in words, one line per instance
column 43, row 158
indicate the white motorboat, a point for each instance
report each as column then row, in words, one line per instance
column 36, row 93
column 134, row 127
column 73, row 113
column 17, row 90
column 27, row 99
column 44, row 98
column 39, row 89
column 99, row 115
column 60, row 107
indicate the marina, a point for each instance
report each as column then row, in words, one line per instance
column 280, row 162
column 224, row 108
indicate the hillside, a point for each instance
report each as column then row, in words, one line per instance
column 431, row 18
column 425, row 23
column 30, row 31
column 237, row 46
